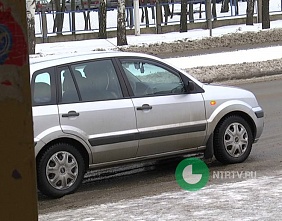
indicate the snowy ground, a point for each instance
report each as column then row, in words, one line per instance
column 252, row 199
column 192, row 40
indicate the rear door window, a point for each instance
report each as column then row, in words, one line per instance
column 97, row 80
column 69, row 88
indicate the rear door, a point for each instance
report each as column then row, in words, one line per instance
column 168, row 119
column 94, row 106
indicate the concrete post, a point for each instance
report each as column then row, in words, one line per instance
column 18, row 194
column 259, row 11
column 209, row 15
column 44, row 26
column 136, row 17
column 158, row 17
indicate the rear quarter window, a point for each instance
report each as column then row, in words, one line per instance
column 43, row 87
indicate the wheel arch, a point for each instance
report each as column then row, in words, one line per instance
column 75, row 143
column 209, row 152
column 242, row 114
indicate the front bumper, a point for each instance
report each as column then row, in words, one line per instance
column 259, row 122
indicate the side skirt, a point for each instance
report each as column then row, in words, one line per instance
column 138, row 159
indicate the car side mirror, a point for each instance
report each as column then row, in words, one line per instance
column 189, row 85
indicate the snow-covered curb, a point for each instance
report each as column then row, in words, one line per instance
column 224, row 41
column 237, row 71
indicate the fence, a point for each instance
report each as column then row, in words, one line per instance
column 44, row 23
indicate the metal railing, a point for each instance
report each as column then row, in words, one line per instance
column 44, row 22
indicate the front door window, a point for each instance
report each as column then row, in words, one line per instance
column 149, row 79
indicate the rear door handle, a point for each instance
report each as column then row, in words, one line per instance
column 71, row 114
column 145, row 107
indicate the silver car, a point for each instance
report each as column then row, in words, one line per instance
column 105, row 109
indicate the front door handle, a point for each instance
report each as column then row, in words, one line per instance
column 71, row 114
column 145, row 107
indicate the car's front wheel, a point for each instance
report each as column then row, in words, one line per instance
column 60, row 170
column 233, row 140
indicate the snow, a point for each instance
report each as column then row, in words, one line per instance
column 234, row 57
column 251, row 199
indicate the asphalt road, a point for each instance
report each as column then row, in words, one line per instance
column 157, row 177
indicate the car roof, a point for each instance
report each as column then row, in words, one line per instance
column 45, row 62
column 51, row 61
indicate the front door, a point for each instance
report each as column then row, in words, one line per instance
column 168, row 119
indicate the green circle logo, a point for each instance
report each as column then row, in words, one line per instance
column 192, row 174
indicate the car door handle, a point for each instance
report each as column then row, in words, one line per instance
column 145, row 107
column 71, row 114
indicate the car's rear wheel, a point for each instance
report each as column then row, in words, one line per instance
column 60, row 170
column 233, row 140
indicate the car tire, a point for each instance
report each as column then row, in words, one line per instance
column 60, row 170
column 233, row 140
